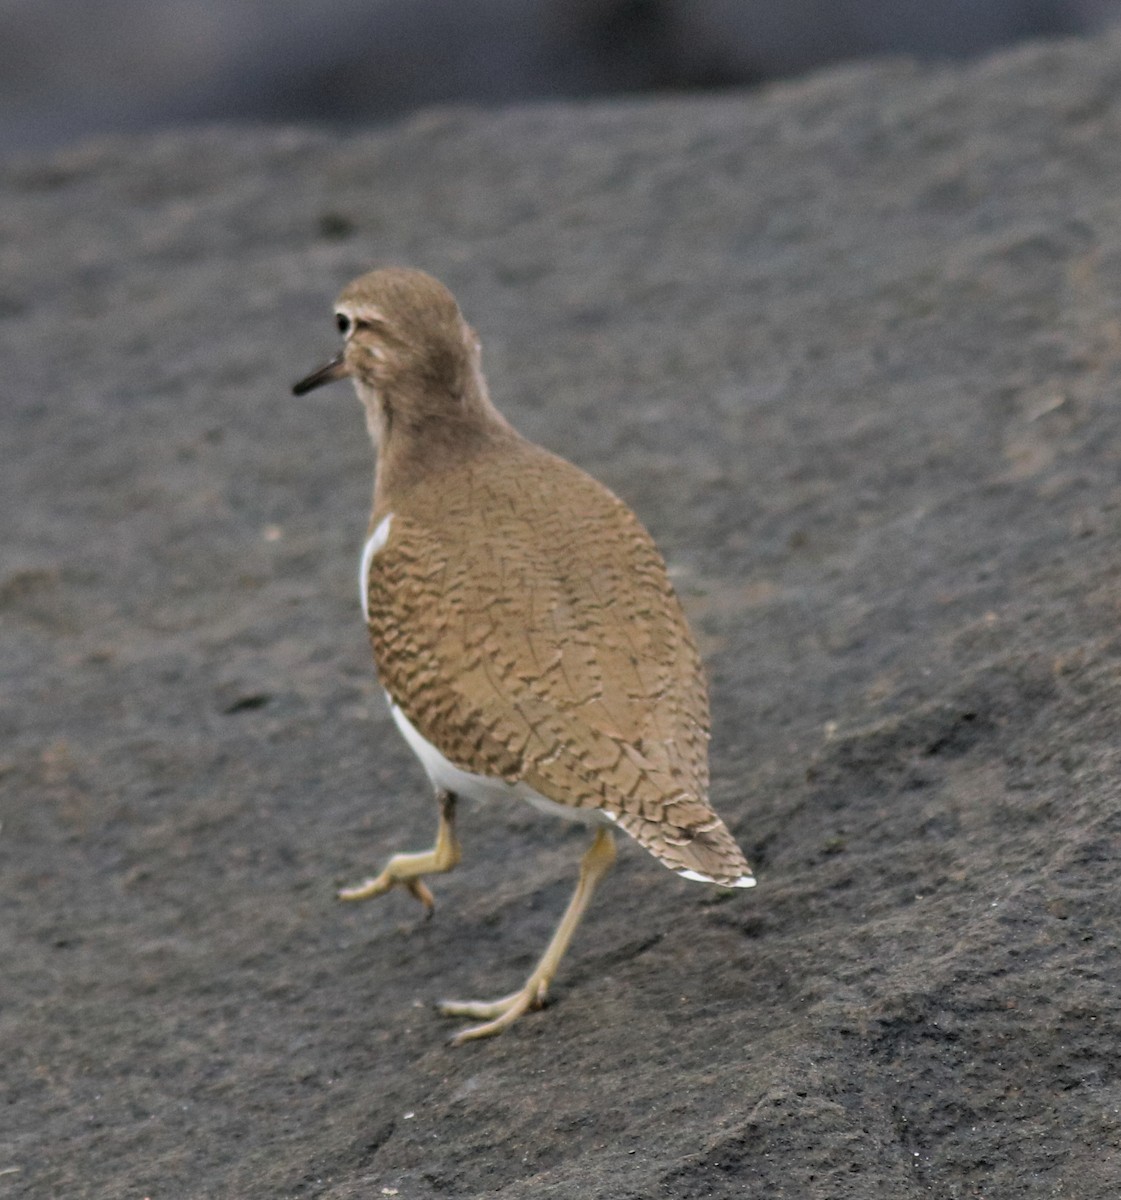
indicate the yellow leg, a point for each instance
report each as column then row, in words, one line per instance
column 497, row 1015
column 408, row 869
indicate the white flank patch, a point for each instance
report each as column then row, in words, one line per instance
column 375, row 542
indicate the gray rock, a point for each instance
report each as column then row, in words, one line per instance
column 850, row 347
column 71, row 71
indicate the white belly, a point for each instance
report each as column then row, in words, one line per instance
column 447, row 775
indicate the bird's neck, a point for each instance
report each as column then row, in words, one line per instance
column 420, row 435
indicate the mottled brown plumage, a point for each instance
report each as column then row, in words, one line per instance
column 521, row 618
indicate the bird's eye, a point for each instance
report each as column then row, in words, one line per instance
column 342, row 322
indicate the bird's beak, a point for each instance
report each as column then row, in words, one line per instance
column 335, row 369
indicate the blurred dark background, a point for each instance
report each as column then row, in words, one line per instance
column 101, row 66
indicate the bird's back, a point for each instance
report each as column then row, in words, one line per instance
column 523, row 621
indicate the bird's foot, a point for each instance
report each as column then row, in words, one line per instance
column 408, row 869
column 388, row 879
column 496, row 1015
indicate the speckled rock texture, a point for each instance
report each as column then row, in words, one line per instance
column 851, row 347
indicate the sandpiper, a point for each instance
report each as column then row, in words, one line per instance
column 522, row 621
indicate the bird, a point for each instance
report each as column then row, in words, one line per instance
column 522, row 622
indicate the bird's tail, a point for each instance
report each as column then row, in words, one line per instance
column 691, row 840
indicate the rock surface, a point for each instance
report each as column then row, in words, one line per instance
column 117, row 66
column 852, row 349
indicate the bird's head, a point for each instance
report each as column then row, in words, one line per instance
column 413, row 358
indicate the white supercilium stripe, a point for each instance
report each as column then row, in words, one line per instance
column 376, row 540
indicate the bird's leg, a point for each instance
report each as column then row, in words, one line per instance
column 409, row 869
column 499, row 1014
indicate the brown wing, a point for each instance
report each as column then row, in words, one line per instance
column 524, row 623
